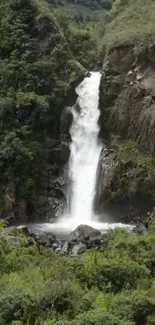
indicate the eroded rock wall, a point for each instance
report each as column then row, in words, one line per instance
column 127, row 103
column 127, row 98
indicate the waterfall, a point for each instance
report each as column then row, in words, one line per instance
column 83, row 162
column 85, row 150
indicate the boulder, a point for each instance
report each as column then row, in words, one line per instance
column 65, row 248
column 140, row 229
column 95, row 241
column 55, row 246
column 44, row 239
column 72, row 239
column 86, row 231
column 24, row 230
column 58, row 250
column 78, row 249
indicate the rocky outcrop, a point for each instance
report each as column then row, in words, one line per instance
column 127, row 103
column 127, row 95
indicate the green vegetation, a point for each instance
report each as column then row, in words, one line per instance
column 136, row 174
column 84, row 21
column 86, row 4
column 37, row 72
column 113, row 286
column 81, row 43
column 130, row 21
column 81, row 11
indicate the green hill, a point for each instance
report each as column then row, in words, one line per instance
column 130, row 21
column 82, row 13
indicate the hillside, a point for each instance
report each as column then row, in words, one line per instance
column 81, row 14
column 130, row 21
column 38, row 73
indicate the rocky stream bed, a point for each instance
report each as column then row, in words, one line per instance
column 82, row 239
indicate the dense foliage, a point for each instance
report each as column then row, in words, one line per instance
column 113, row 286
column 37, row 72
column 82, row 43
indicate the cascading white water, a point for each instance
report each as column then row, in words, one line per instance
column 85, row 150
column 83, row 162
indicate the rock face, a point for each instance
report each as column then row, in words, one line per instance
column 127, row 103
column 123, row 193
column 127, row 95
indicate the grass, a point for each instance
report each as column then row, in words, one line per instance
column 134, row 23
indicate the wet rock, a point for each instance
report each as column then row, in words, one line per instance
column 64, row 153
column 87, row 74
column 10, row 221
column 78, row 249
column 140, row 229
column 45, row 239
column 24, row 230
column 65, row 248
column 55, row 245
column 95, row 241
column 130, row 76
column 58, row 250
column 72, row 239
column 86, row 237
column 51, row 237
column 86, row 231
